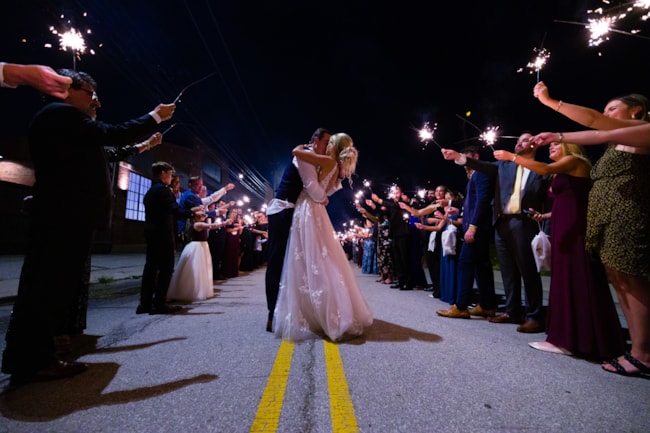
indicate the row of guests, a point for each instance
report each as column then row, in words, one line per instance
column 588, row 230
column 213, row 246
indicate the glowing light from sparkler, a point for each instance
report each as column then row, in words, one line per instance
column 490, row 136
column 599, row 29
column 539, row 61
column 426, row 133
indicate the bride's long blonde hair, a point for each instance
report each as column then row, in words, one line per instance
column 341, row 148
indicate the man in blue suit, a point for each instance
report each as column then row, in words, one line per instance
column 514, row 232
column 280, row 214
column 474, row 258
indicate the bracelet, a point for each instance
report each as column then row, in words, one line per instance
column 514, row 158
column 559, row 105
column 560, row 137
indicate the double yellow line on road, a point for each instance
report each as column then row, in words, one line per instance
column 341, row 407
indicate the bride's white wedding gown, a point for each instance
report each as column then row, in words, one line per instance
column 319, row 294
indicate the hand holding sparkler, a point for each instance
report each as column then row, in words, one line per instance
column 150, row 142
column 504, row 155
column 165, row 111
column 42, row 78
column 450, row 154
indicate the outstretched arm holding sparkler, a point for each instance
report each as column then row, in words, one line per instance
column 635, row 136
column 583, row 115
column 42, row 78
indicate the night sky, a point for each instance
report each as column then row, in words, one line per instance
column 375, row 70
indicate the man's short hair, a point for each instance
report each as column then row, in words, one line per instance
column 158, row 167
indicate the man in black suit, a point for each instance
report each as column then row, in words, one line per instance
column 60, row 238
column 280, row 214
column 514, row 232
column 161, row 213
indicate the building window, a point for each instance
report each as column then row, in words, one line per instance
column 138, row 187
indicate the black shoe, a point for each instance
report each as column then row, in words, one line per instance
column 406, row 288
column 142, row 309
column 428, row 289
column 269, row 326
column 165, row 309
column 395, row 286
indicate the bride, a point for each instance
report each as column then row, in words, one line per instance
column 319, row 294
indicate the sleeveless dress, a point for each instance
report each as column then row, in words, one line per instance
column 319, row 295
column 619, row 212
column 192, row 278
column 448, row 273
column 581, row 313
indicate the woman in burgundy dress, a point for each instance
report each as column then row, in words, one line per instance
column 582, row 318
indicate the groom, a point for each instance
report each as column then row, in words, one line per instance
column 280, row 214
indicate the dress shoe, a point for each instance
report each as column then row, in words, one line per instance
column 545, row 346
column 406, row 288
column 142, row 309
column 269, row 326
column 505, row 318
column 60, row 369
column 479, row 311
column 454, row 313
column 531, row 327
column 165, row 309
column 395, row 286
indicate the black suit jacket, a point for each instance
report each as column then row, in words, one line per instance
column 70, row 164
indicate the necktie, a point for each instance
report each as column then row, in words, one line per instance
column 516, row 191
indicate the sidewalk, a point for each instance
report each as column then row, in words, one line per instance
column 121, row 272
column 108, row 272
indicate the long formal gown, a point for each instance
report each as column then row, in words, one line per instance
column 448, row 273
column 192, row 278
column 581, row 313
column 319, row 295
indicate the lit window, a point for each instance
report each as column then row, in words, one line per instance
column 138, row 187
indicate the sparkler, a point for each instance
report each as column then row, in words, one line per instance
column 169, row 129
column 426, row 134
column 71, row 39
column 366, row 183
column 490, row 136
column 192, row 84
column 539, row 61
column 600, row 27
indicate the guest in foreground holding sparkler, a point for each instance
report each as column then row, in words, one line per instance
column 42, row 78
column 61, row 134
column 581, row 316
column 618, row 216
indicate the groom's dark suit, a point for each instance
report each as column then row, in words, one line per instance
column 278, row 233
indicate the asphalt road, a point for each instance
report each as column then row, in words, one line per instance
column 214, row 369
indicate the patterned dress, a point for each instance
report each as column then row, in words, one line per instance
column 618, row 217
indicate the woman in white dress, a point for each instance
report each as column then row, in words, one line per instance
column 319, row 295
column 192, row 279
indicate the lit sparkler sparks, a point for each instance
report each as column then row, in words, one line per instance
column 426, row 134
column 490, row 136
column 535, row 65
column 71, row 39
